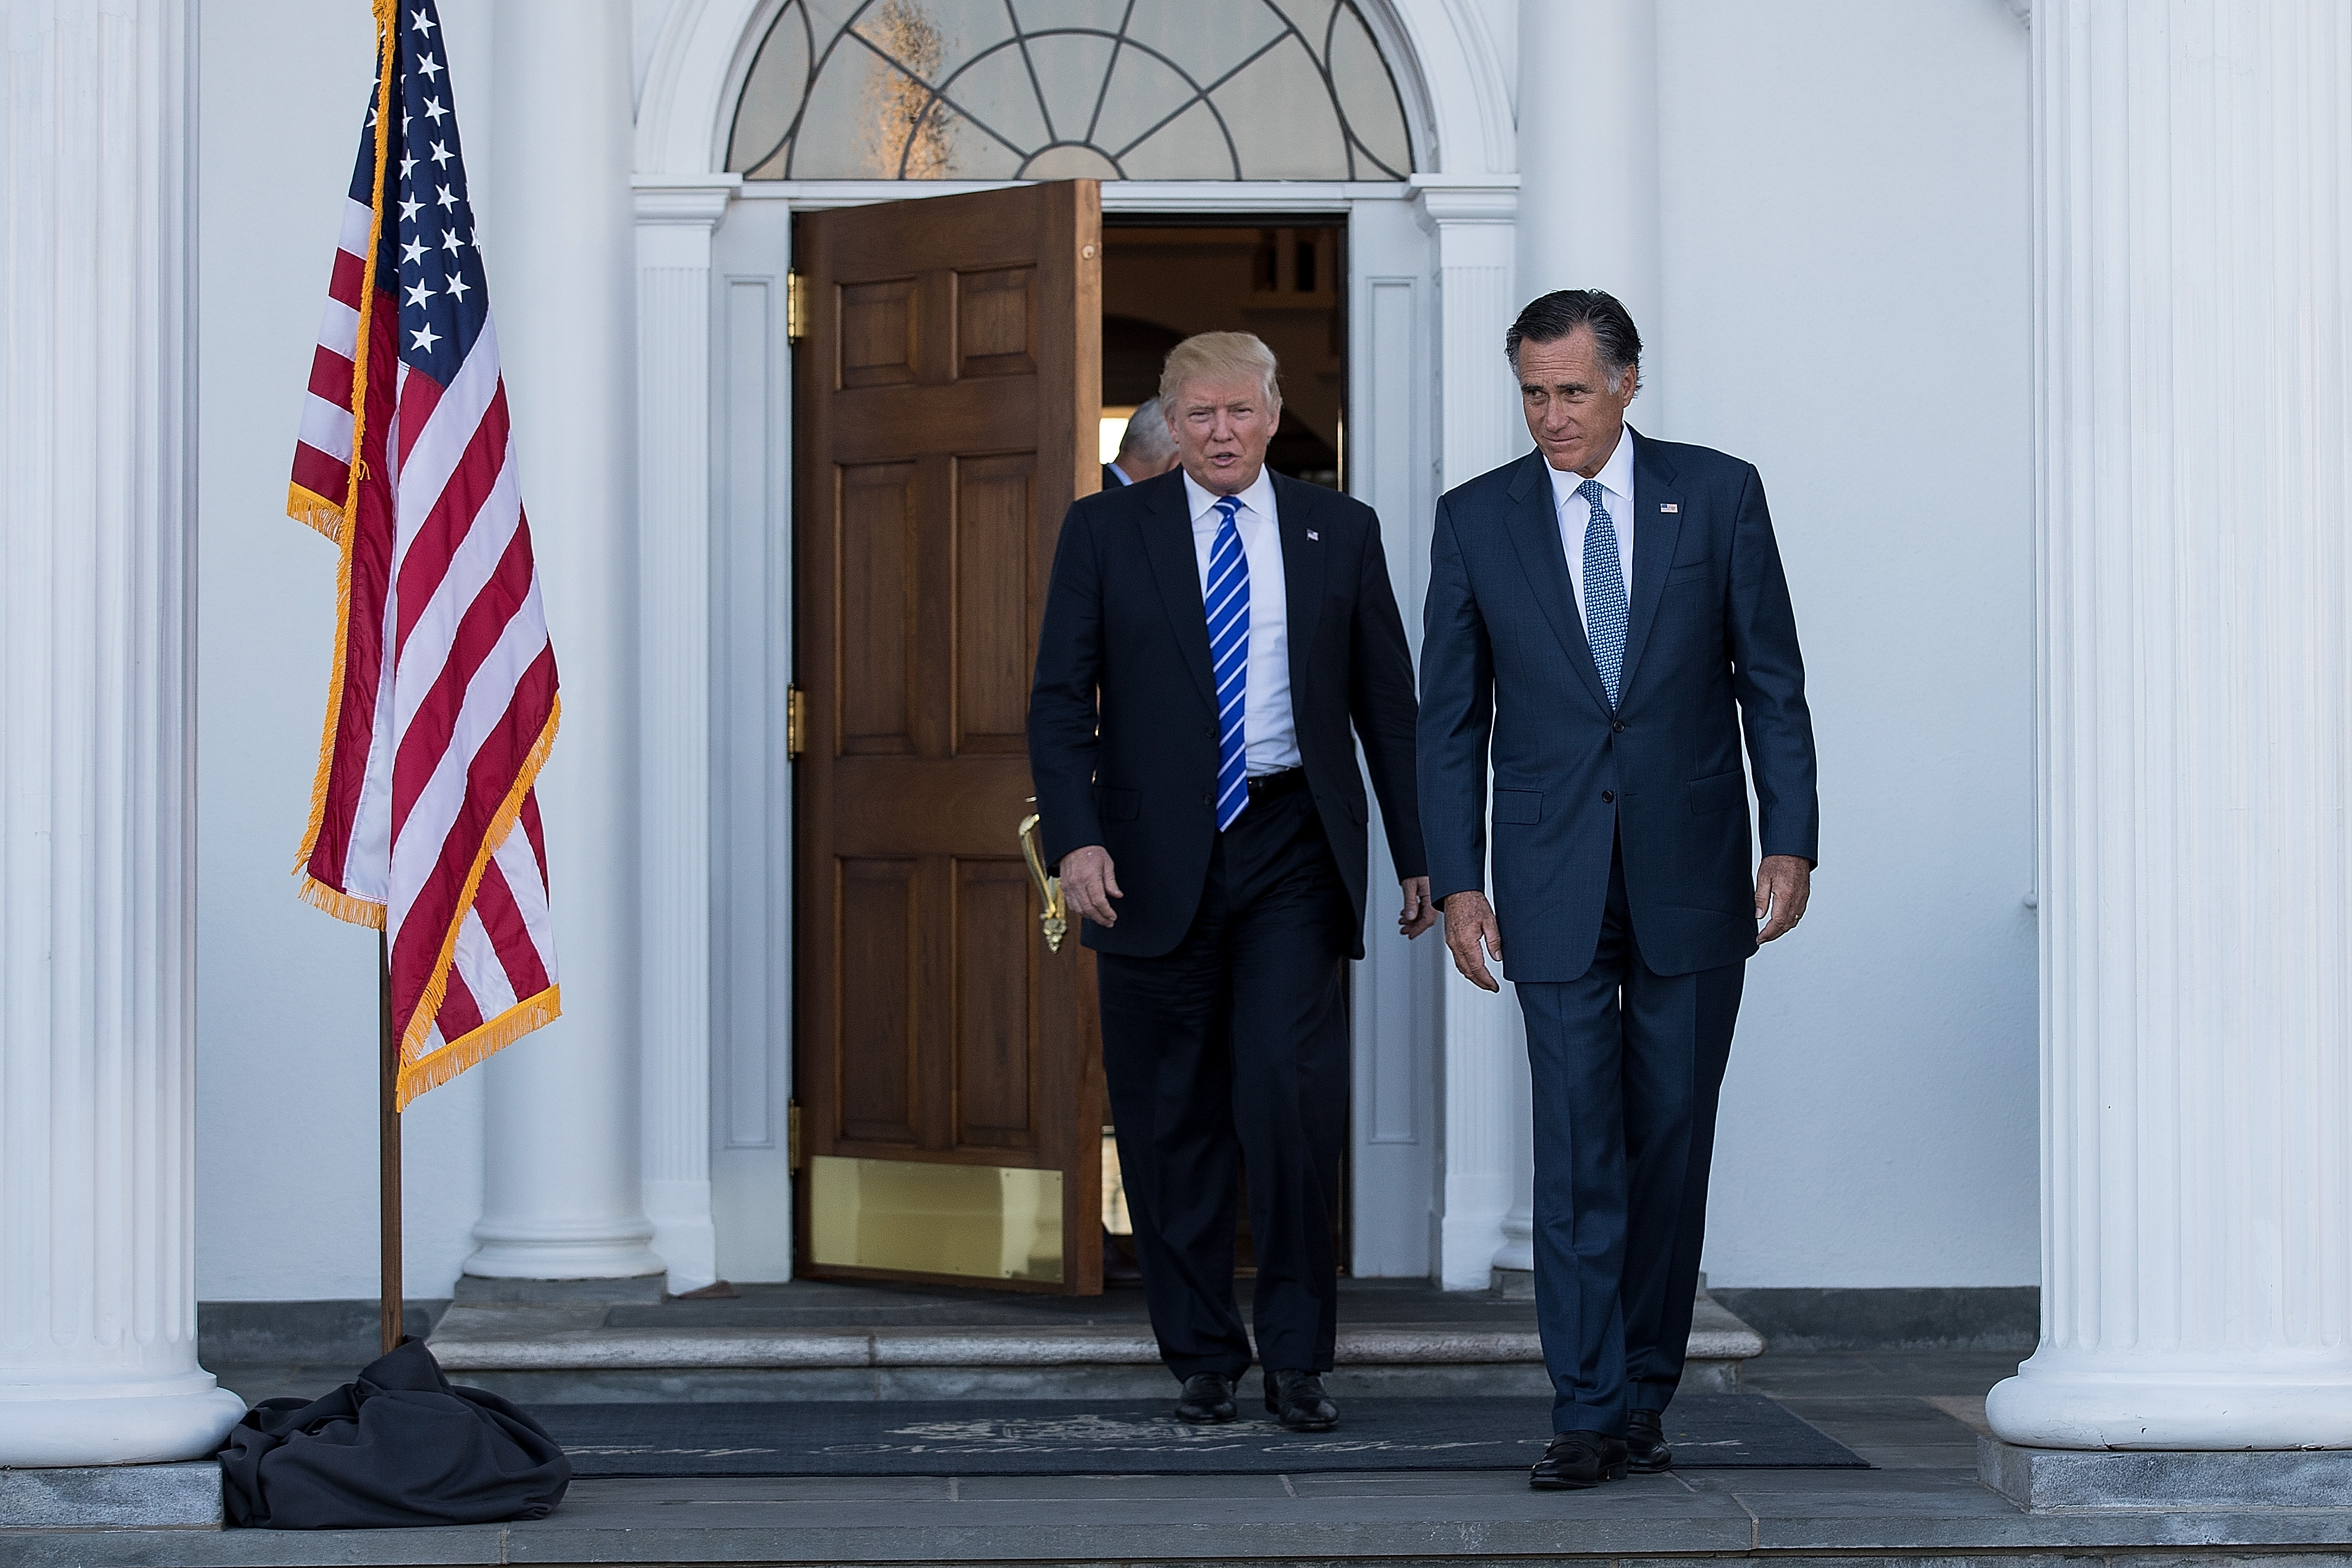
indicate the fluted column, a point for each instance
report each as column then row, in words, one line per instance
column 2195, row 313
column 97, row 1308
column 1480, row 427
column 561, row 1196
column 675, row 220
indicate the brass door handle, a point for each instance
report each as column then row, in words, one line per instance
column 1055, row 922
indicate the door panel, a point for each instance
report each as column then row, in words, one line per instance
column 947, row 1068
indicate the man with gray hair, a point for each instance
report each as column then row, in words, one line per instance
column 1606, row 619
column 1209, row 638
column 1146, row 450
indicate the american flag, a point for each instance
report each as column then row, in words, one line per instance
column 443, row 702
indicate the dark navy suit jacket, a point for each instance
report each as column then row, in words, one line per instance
column 1710, row 647
column 1123, row 715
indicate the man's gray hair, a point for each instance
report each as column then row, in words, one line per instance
column 1147, row 439
column 1554, row 315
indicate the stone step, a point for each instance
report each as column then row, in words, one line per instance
column 566, row 1353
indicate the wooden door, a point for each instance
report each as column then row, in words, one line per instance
column 947, row 394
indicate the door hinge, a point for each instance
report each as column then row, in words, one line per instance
column 793, row 1136
column 796, row 306
column 795, row 722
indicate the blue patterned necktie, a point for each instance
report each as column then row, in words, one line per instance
column 1228, row 606
column 1604, row 590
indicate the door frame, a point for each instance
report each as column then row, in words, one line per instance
column 1394, row 325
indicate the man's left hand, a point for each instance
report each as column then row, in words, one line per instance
column 1783, row 883
column 1418, row 914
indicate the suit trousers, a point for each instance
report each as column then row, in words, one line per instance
column 1231, row 1052
column 1626, row 1066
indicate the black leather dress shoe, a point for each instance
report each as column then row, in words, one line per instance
column 1207, row 1399
column 1298, row 1401
column 1646, row 1449
column 1573, row 1460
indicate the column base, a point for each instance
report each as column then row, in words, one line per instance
column 542, row 1252
column 59, row 1425
column 112, row 1497
column 2070, row 1480
column 2072, row 1401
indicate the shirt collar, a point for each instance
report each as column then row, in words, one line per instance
column 1258, row 498
column 1616, row 476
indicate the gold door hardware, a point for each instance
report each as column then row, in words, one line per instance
column 795, row 722
column 1055, row 922
column 796, row 306
column 794, row 1159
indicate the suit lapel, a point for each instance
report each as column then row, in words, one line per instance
column 1168, row 546
column 1655, row 534
column 1534, row 533
column 1294, row 503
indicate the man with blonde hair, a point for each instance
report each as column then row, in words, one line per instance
column 1211, row 635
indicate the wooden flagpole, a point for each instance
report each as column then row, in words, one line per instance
column 387, row 1133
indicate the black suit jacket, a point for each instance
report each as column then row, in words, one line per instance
column 1710, row 650
column 1123, row 715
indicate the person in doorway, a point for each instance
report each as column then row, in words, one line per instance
column 1210, row 636
column 1604, row 616
column 1146, row 449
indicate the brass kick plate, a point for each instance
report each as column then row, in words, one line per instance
column 984, row 1222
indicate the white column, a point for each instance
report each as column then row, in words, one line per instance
column 97, row 1300
column 1472, row 223
column 1589, row 149
column 675, row 220
column 561, row 1196
column 2195, row 314
column 1588, row 138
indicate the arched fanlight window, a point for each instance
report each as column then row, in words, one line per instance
column 1133, row 90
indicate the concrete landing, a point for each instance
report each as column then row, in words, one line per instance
column 816, row 1339
column 1915, row 1416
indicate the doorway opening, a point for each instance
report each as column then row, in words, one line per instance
column 1163, row 280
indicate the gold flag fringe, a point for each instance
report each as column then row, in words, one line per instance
column 387, row 19
column 313, row 511
column 343, row 905
column 470, row 1050
column 436, row 987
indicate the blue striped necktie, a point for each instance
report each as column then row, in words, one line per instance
column 1228, row 606
column 1604, row 590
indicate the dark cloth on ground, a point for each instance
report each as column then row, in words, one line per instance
column 400, row 1445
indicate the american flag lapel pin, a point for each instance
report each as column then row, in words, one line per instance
column 1316, row 537
column 1668, row 506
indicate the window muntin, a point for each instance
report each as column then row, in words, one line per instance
column 1136, row 89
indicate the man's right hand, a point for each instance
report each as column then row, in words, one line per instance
column 1090, row 884
column 1469, row 921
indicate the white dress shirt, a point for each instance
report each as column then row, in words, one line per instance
column 1575, row 516
column 1269, row 737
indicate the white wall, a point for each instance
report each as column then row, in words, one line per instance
column 1845, row 196
column 1846, row 235
column 286, row 998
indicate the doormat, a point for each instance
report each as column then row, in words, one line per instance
column 1062, row 1436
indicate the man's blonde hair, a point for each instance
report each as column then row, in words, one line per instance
column 1218, row 356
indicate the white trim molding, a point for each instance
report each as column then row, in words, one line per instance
column 675, row 218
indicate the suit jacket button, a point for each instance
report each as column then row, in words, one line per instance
column 1608, row 795
column 1619, row 726
column 1212, row 732
column 1208, row 796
